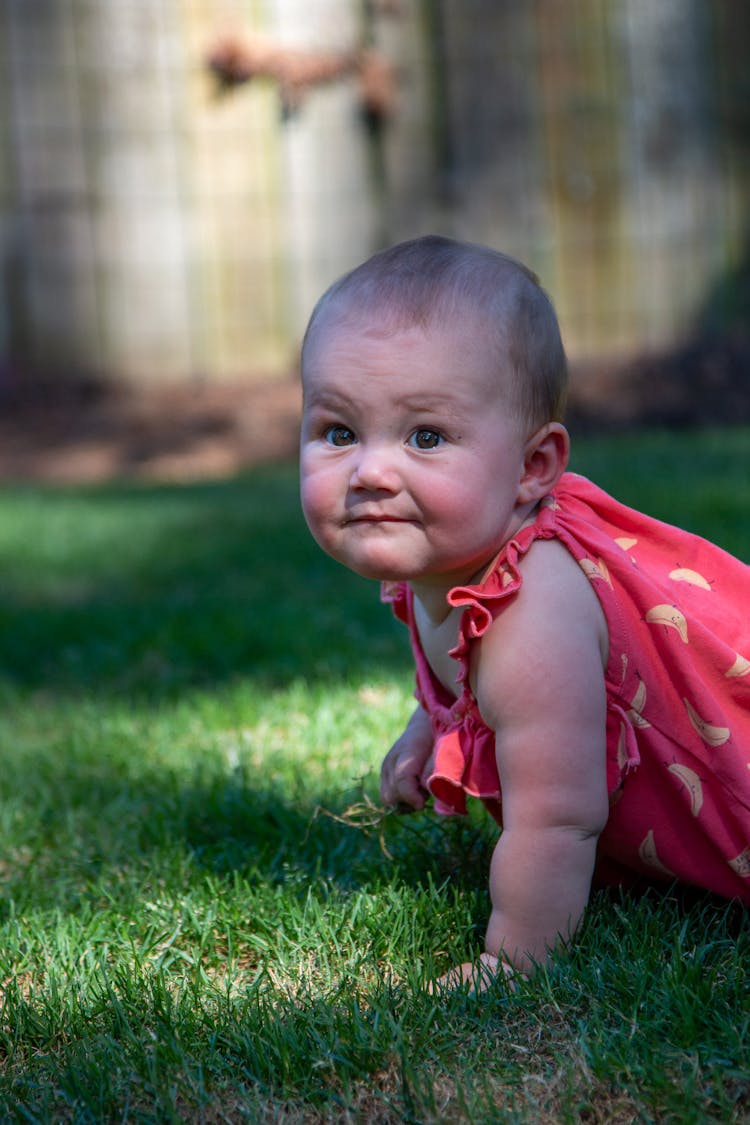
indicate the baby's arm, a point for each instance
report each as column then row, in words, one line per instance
column 404, row 765
column 539, row 683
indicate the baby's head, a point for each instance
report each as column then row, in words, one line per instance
column 433, row 379
column 435, row 281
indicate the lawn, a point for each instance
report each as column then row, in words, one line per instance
column 203, row 917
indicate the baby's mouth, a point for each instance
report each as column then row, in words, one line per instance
column 376, row 517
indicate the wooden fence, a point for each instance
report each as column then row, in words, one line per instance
column 179, row 179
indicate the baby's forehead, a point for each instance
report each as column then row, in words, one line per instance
column 458, row 358
column 382, row 319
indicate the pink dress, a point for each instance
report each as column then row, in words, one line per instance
column 677, row 683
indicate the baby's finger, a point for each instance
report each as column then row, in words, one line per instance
column 402, row 791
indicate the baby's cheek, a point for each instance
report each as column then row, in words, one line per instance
column 453, row 504
column 317, row 500
column 309, row 500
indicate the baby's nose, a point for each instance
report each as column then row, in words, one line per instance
column 374, row 470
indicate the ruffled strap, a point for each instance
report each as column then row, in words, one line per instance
column 620, row 733
column 482, row 602
column 464, row 756
column 464, row 765
column 395, row 594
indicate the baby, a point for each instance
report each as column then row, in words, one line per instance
column 580, row 667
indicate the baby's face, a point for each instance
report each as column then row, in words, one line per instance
column 410, row 457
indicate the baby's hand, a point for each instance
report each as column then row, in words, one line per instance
column 406, row 763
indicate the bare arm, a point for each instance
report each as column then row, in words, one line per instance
column 539, row 683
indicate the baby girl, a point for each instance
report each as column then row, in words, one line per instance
column 580, row 667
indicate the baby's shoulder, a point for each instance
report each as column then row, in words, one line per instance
column 550, row 571
column 552, row 635
column 555, row 601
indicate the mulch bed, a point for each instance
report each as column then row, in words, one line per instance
column 66, row 431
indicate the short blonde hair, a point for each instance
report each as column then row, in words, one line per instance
column 433, row 280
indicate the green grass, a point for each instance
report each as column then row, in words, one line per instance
column 201, row 920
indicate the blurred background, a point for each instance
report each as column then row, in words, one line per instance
column 180, row 179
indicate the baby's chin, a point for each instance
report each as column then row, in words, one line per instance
column 411, row 575
column 380, row 570
column 378, row 563
column 380, row 573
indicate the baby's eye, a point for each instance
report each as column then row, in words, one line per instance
column 339, row 436
column 425, row 439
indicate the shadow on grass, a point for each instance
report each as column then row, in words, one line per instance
column 88, row 837
column 148, row 591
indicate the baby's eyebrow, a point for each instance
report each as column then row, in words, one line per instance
column 432, row 404
column 433, row 398
column 328, row 400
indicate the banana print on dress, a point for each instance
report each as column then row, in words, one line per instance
column 741, row 864
column 671, row 617
column 637, row 703
column 650, row 856
column 692, row 577
column 692, row 783
column 711, row 735
column 596, row 569
column 741, row 667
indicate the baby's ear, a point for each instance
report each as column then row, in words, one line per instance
column 545, row 461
